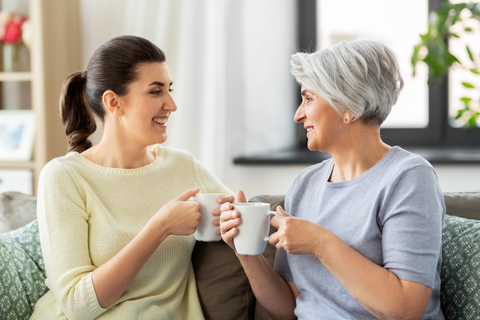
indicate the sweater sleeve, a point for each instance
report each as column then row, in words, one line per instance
column 63, row 226
column 208, row 183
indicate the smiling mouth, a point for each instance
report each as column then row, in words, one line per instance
column 160, row 120
column 309, row 130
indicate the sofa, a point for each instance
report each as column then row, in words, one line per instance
column 223, row 288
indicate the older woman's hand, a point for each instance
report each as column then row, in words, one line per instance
column 229, row 219
column 295, row 235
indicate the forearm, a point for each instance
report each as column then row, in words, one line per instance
column 270, row 290
column 377, row 289
column 112, row 279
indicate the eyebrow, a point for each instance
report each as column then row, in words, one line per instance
column 305, row 91
column 158, row 83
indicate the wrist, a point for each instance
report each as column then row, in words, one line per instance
column 157, row 230
column 322, row 242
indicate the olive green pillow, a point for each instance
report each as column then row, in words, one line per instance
column 460, row 274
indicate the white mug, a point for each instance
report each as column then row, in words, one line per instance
column 252, row 232
column 208, row 202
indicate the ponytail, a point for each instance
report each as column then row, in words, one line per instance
column 77, row 117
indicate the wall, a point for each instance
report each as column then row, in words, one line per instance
column 254, row 102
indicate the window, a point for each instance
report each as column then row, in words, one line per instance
column 432, row 133
column 381, row 20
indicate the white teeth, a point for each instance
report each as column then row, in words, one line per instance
column 160, row 120
column 309, row 129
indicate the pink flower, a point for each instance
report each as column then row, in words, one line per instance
column 13, row 32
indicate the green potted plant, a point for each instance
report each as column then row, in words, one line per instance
column 434, row 51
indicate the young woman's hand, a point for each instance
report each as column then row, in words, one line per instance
column 180, row 216
column 229, row 219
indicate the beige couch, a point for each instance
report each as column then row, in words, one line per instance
column 222, row 285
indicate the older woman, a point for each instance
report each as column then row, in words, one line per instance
column 362, row 239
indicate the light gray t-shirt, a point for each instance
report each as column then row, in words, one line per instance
column 392, row 214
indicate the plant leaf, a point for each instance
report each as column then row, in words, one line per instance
column 468, row 29
column 475, row 71
column 466, row 100
column 470, row 55
column 455, row 35
column 472, row 122
column 468, row 85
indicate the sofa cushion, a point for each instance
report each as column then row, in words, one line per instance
column 460, row 274
column 22, row 272
column 463, row 204
column 16, row 210
column 221, row 280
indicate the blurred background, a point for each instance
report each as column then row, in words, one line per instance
column 230, row 63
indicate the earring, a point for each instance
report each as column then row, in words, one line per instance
column 120, row 121
column 345, row 119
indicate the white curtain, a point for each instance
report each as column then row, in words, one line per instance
column 229, row 61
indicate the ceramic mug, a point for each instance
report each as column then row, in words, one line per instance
column 252, row 232
column 208, row 202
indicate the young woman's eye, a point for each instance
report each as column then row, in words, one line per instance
column 157, row 92
column 170, row 90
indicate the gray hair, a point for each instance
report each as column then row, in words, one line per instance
column 361, row 77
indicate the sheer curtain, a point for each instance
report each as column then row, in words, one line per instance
column 229, row 62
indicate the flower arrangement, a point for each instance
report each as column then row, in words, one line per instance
column 15, row 30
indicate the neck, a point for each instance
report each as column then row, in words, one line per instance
column 358, row 150
column 114, row 152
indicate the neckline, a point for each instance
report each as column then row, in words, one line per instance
column 360, row 177
column 155, row 148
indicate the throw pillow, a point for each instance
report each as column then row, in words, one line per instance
column 460, row 274
column 22, row 272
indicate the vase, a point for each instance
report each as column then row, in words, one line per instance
column 11, row 58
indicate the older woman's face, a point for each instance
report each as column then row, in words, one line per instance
column 322, row 122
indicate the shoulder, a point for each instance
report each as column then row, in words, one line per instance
column 315, row 172
column 60, row 165
column 309, row 179
column 177, row 154
column 401, row 161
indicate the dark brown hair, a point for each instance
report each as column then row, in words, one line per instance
column 114, row 66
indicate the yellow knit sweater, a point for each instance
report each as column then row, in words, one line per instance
column 87, row 213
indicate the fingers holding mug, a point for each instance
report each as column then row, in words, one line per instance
column 229, row 220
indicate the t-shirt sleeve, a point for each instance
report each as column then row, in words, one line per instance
column 412, row 224
column 63, row 227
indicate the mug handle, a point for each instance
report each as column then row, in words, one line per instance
column 270, row 213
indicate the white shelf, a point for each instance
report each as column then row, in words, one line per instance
column 16, row 76
column 18, row 165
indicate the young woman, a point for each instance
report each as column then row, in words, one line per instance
column 363, row 237
column 115, row 227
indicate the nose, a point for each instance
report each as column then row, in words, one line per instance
column 170, row 104
column 300, row 113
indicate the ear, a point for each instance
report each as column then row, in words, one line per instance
column 112, row 102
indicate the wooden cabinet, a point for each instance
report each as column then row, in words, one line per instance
column 54, row 54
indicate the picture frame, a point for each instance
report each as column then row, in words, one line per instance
column 17, row 134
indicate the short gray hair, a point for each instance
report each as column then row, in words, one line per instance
column 361, row 77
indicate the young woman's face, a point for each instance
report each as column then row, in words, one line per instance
column 148, row 104
column 322, row 122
